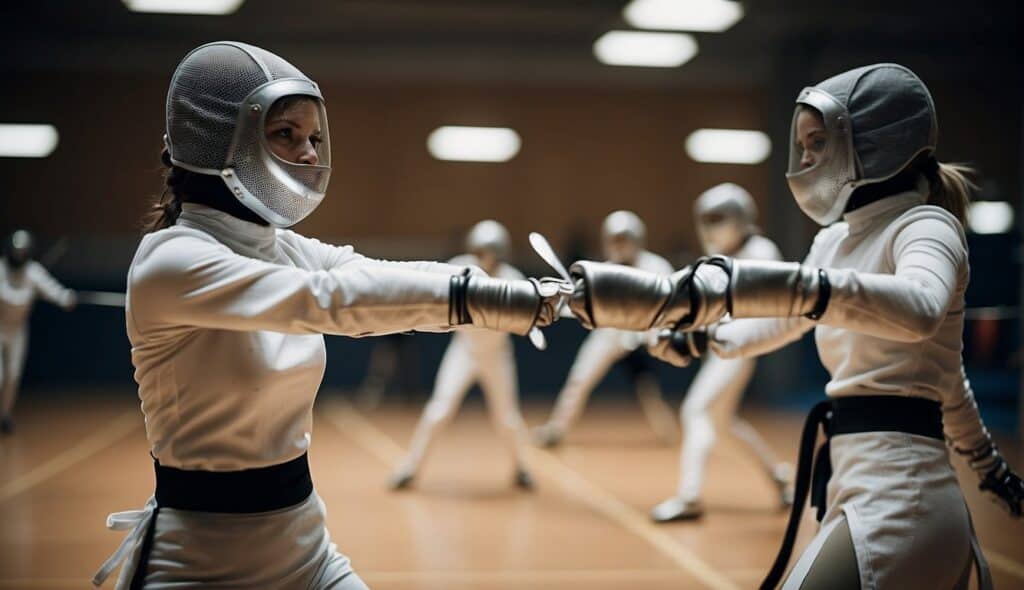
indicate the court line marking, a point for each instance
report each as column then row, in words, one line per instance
column 102, row 438
column 353, row 424
column 609, row 505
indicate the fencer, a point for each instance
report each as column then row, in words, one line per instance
column 883, row 287
column 22, row 281
column 623, row 234
column 726, row 219
column 225, row 314
column 475, row 356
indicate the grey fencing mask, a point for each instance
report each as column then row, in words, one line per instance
column 217, row 108
column 877, row 119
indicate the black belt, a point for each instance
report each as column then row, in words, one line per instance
column 846, row 415
column 237, row 492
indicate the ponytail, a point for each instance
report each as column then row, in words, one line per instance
column 166, row 207
column 950, row 186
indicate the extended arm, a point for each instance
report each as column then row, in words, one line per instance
column 908, row 305
column 49, row 288
column 195, row 282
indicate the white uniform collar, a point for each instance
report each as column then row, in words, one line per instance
column 882, row 210
column 243, row 237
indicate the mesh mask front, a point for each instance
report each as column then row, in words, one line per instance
column 217, row 106
column 877, row 120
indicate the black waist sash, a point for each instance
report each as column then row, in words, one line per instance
column 237, row 492
column 846, row 415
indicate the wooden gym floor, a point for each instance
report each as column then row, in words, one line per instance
column 76, row 458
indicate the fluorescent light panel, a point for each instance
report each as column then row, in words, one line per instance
column 728, row 146
column 473, row 144
column 184, row 6
column 645, row 49
column 708, row 16
column 27, row 141
column 990, row 217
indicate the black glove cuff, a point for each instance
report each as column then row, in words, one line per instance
column 824, row 294
column 458, row 310
column 723, row 262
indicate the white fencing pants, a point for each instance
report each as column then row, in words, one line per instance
column 709, row 408
column 13, row 346
column 468, row 361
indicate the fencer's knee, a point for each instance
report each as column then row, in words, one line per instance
column 692, row 412
column 438, row 413
column 574, row 383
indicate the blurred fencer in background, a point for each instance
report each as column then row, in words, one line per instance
column 726, row 218
column 623, row 237
column 473, row 357
column 22, row 281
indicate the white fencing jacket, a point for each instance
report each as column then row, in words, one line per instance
column 226, row 317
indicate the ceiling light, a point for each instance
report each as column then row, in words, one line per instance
column 27, row 141
column 990, row 217
column 184, row 6
column 728, row 146
column 642, row 48
column 473, row 144
column 709, row 16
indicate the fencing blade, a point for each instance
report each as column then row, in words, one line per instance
column 543, row 249
column 103, row 298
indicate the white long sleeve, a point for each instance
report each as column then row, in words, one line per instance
column 187, row 278
column 328, row 256
column 929, row 255
column 961, row 420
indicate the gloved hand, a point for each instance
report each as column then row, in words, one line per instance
column 1003, row 486
column 615, row 296
column 679, row 348
column 513, row 306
